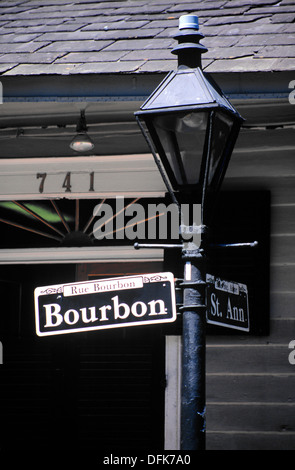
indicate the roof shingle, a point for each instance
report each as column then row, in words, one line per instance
column 72, row 36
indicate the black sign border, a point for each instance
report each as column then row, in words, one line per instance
column 222, row 324
column 147, row 278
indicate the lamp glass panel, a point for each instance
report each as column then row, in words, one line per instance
column 183, row 137
column 222, row 127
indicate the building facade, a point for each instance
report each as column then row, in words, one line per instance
column 120, row 389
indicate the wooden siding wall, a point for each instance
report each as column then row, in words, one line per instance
column 250, row 382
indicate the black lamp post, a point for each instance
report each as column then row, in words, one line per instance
column 193, row 129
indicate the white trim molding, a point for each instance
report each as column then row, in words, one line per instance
column 173, row 392
column 78, row 255
column 80, row 177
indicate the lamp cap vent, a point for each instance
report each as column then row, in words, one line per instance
column 188, row 22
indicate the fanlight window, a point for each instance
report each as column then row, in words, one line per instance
column 69, row 222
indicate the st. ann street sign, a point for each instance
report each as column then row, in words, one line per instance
column 105, row 303
column 227, row 303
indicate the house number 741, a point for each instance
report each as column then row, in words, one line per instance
column 66, row 182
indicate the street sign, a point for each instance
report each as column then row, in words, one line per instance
column 105, row 303
column 227, row 303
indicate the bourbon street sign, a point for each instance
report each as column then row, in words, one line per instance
column 227, row 303
column 105, row 303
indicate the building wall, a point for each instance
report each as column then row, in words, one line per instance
column 250, row 382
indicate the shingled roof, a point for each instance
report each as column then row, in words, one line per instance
column 136, row 36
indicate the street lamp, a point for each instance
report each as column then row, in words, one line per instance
column 192, row 124
column 193, row 128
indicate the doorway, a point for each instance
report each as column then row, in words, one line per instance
column 96, row 391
